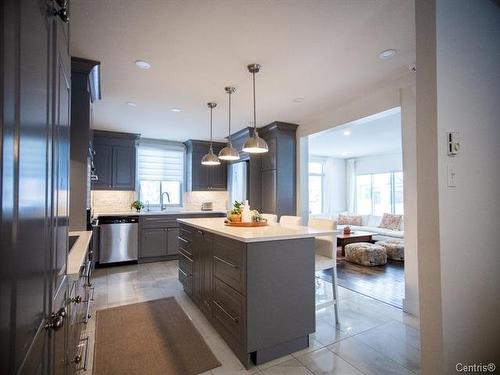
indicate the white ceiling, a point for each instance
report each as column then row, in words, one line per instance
column 374, row 135
column 323, row 51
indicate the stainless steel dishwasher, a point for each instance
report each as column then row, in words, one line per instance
column 118, row 239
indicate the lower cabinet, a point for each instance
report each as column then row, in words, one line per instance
column 243, row 288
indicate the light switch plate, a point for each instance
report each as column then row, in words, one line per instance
column 452, row 176
column 453, row 143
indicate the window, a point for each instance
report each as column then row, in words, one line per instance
column 160, row 171
column 379, row 193
column 316, row 188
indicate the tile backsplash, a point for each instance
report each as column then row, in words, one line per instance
column 194, row 199
column 119, row 201
column 111, row 200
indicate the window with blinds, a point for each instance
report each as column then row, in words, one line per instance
column 160, row 172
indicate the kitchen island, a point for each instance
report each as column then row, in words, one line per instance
column 255, row 285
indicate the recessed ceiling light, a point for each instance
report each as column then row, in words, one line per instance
column 387, row 54
column 347, row 132
column 344, row 154
column 144, row 65
column 131, row 104
column 298, row 100
column 176, row 110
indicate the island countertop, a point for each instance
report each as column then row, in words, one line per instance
column 274, row 232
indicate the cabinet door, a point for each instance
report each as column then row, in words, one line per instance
column 123, row 168
column 173, row 242
column 102, row 164
column 200, row 174
column 268, row 193
column 268, row 160
column 218, row 177
column 154, row 242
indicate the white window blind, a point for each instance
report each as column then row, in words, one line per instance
column 160, row 169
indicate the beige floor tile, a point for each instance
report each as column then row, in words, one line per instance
column 290, row 367
column 327, row 333
column 313, row 345
column 367, row 359
column 323, row 362
column 275, row 362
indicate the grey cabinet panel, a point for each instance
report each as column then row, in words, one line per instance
column 154, row 242
column 268, row 160
column 229, row 311
column 114, row 160
column 124, row 167
column 103, row 164
column 204, row 177
column 173, row 247
column 268, row 193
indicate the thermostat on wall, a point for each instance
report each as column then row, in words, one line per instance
column 453, row 139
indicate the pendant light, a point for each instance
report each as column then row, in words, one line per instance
column 254, row 144
column 229, row 152
column 210, row 158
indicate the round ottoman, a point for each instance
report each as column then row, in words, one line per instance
column 395, row 249
column 366, row 254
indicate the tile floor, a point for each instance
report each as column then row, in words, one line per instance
column 372, row 338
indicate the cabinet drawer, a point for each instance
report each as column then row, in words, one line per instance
column 160, row 221
column 229, row 311
column 229, row 261
column 185, row 263
column 185, row 245
column 186, row 281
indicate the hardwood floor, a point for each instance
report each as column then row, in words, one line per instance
column 384, row 283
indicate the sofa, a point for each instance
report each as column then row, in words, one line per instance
column 370, row 223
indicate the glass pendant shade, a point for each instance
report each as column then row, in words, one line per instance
column 254, row 144
column 229, row 152
column 210, row 158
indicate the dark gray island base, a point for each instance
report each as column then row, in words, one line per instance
column 258, row 295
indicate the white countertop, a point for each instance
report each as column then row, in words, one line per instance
column 255, row 234
column 144, row 213
column 78, row 252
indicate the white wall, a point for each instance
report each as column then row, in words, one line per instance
column 391, row 94
column 379, row 163
column 459, row 90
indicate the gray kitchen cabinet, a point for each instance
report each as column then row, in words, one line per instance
column 173, row 245
column 241, row 288
column 278, row 168
column 154, row 242
column 158, row 235
column 114, row 160
column 124, row 167
column 102, row 162
column 204, row 177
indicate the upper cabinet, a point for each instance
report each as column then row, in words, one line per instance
column 114, row 160
column 204, row 177
column 278, row 168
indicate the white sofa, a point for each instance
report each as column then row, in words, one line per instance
column 370, row 223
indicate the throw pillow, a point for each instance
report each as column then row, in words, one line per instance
column 346, row 219
column 390, row 221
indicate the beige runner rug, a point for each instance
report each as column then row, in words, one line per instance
column 153, row 337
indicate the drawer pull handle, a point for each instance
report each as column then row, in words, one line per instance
column 183, row 239
column 185, row 256
column 234, row 319
column 187, row 251
column 90, row 299
column 225, row 262
column 184, row 273
column 78, row 358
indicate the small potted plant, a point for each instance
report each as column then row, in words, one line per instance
column 234, row 215
column 138, row 205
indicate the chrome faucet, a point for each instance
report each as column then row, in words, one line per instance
column 162, row 207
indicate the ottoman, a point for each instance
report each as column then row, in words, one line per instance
column 366, row 254
column 395, row 249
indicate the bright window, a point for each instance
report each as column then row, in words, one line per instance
column 316, row 188
column 160, row 170
column 379, row 193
